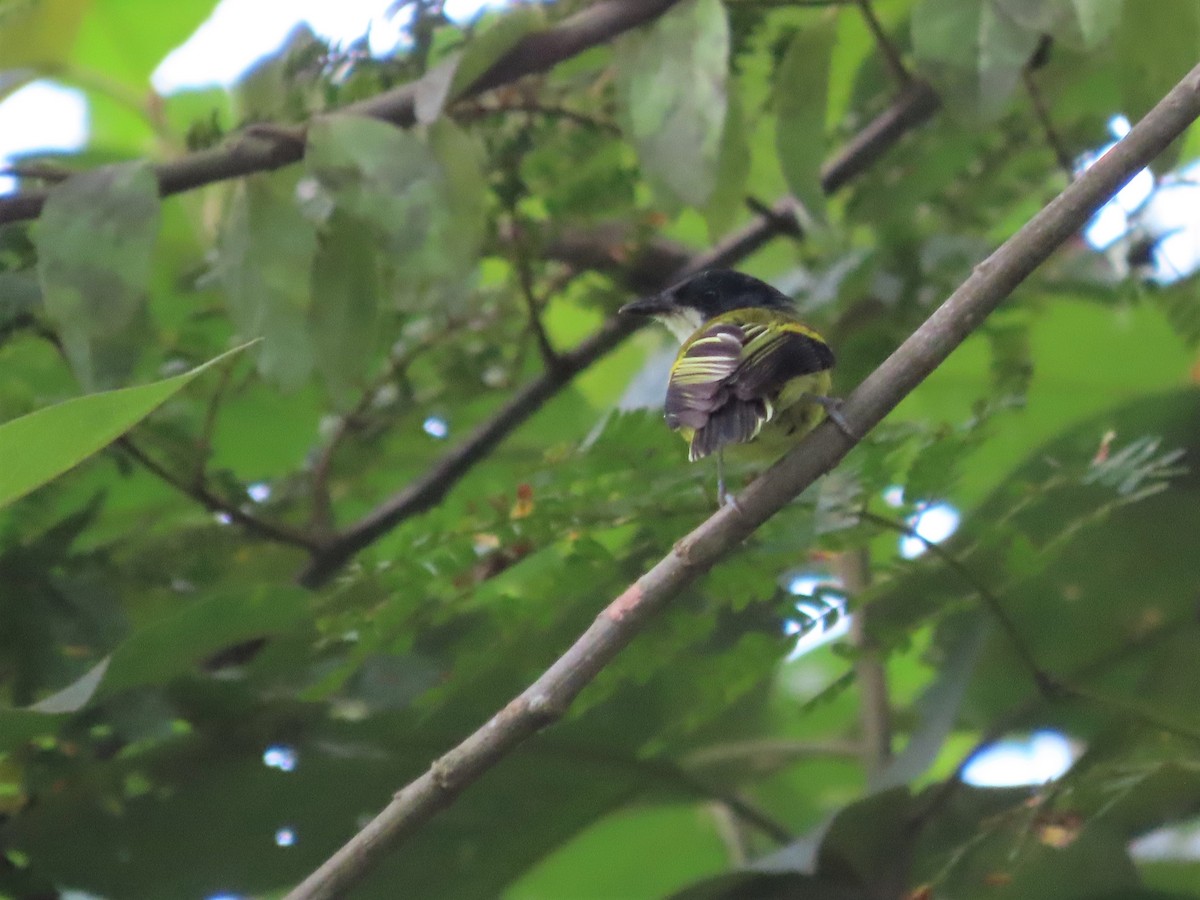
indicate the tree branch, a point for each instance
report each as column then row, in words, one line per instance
column 547, row 699
column 1044, row 682
column 916, row 104
column 259, row 150
column 874, row 706
column 890, row 54
column 200, row 492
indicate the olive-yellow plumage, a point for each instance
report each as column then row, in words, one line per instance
column 750, row 378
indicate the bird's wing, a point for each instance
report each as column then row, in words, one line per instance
column 726, row 379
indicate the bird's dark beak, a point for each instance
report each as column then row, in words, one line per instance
column 656, row 305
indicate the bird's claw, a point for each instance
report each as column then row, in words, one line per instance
column 833, row 410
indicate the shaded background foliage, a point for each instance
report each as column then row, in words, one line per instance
column 407, row 282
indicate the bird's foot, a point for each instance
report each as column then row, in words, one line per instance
column 726, row 498
column 833, row 409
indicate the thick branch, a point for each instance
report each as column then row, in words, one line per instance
column 262, row 150
column 548, row 697
column 914, row 106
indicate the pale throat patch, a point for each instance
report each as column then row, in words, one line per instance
column 682, row 323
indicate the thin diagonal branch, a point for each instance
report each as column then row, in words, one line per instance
column 1044, row 682
column 913, row 107
column 1042, row 114
column 202, row 494
column 891, row 55
column 261, row 151
column 547, row 699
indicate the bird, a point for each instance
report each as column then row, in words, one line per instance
column 750, row 377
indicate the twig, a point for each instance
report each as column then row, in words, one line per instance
column 788, row 224
column 874, row 708
column 1045, row 683
column 1021, row 714
column 537, row 52
column 913, row 107
column 890, row 54
column 200, row 492
column 1042, row 113
column 208, row 428
column 533, row 307
column 551, row 111
column 42, row 171
column 547, row 699
column 754, row 754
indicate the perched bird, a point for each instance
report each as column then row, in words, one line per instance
column 750, row 376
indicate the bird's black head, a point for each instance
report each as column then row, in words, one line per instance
column 687, row 305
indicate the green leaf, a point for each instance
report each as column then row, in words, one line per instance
column 95, row 242
column 379, row 173
column 1097, row 19
column 1156, row 44
column 421, row 191
column 769, row 886
column 39, row 33
column 265, row 265
column 174, row 645
column 491, row 42
column 457, row 237
column 801, row 98
column 345, row 310
column 42, row 445
column 974, row 50
column 127, row 39
column 733, row 168
column 672, row 94
column 863, row 837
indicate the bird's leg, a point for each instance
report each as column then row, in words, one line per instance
column 833, row 409
column 724, row 498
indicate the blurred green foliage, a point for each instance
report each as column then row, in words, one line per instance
column 405, row 284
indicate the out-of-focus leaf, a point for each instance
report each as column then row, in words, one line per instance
column 769, row 886
column 733, row 168
column 1097, row 19
column 974, row 50
column 1156, row 43
column 174, row 645
column 345, row 306
column 801, row 99
column 939, row 709
column 377, row 172
column 861, row 844
column 128, row 39
column 672, row 90
column 95, row 242
column 457, row 236
column 44, row 444
column 267, row 251
column 491, row 38
column 39, row 33
column 661, row 847
column 492, row 41
column 422, row 192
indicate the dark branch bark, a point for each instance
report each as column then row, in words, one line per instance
column 913, row 107
column 264, row 149
column 200, row 492
column 548, row 697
